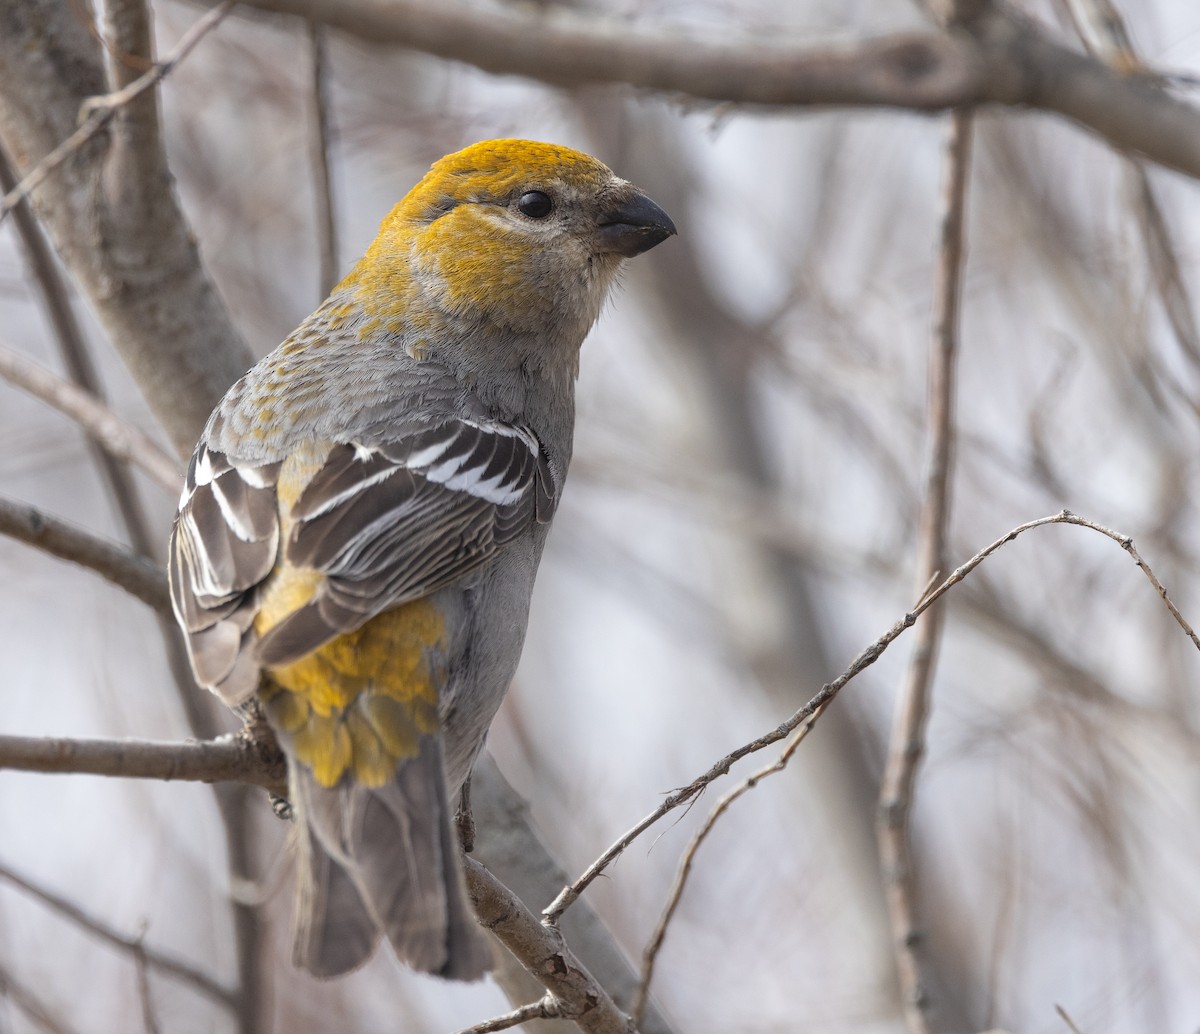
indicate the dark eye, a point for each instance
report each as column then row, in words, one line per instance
column 535, row 204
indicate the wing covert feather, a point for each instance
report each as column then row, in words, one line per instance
column 395, row 520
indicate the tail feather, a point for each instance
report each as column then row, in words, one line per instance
column 334, row 931
column 384, row 860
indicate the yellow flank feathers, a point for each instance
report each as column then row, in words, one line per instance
column 285, row 592
column 287, row 589
column 359, row 704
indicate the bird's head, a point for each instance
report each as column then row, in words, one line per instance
column 522, row 236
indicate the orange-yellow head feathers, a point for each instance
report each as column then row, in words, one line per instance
column 514, row 235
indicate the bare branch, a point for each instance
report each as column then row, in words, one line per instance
column 119, row 438
column 1102, row 29
column 511, row 849
column 575, row 995
column 98, row 112
column 149, row 1018
column 319, row 142
column 225, row 759
column 1003, row 59
column 685, row 865
column 1065, row 1017
column 29, row 1003
column 544, row 1009
column 135, row 574
column 1126, row 543
column 72, row 347
column 132, row 253
column 184, row 971
column 539, row 946
column 907, row 743
column 1103, row 32
column 542, row 951
column 567, row 48
column 570, row 893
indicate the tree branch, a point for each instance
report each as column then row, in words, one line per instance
column 244, row 759
column 539, row 946
column 928, row 71
column 650, row 955
column 1003, row 58
column 225, row 759
column 507, row 844
column 166, row 963
column 117, row 437
column 907, row 743
column 546, row 1008
column 30, row 1004
column 318, row 147
column 570, row 893
column 140, row 270
column 111, row 439
column 97, row 112
column 542, row 951
column 135, row 574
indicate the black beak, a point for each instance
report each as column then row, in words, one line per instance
column 632, row 223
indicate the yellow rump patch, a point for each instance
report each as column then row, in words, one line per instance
column 358, row 705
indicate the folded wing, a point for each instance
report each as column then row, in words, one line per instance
column 378, row 523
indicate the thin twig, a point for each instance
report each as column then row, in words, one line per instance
column 570, row 893
column 135, row 574
column 1169, row 280
column 1104, row 34
column 1102, row 30
column 1067, row 1019
column 225, row 759
column 184, row 971
column 97, row 112
column 142, row 969
column 111, row 439
column 654, row 945
column 540, row 948
column 547, row 1008
column 116, row 436
column 33, row 1007
column 907, row 742
column 319, row 142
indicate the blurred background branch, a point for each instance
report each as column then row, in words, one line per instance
column 906, row 745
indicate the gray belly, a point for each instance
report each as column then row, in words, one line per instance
column 485, row 645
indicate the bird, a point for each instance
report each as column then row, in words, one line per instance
column 363, row 516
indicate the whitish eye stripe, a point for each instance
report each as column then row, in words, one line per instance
column 359, row 486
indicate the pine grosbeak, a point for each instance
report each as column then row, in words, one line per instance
column 364, row 514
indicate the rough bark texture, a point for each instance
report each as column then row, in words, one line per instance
column 112, row 213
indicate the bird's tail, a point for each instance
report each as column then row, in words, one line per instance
column 383, row 861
